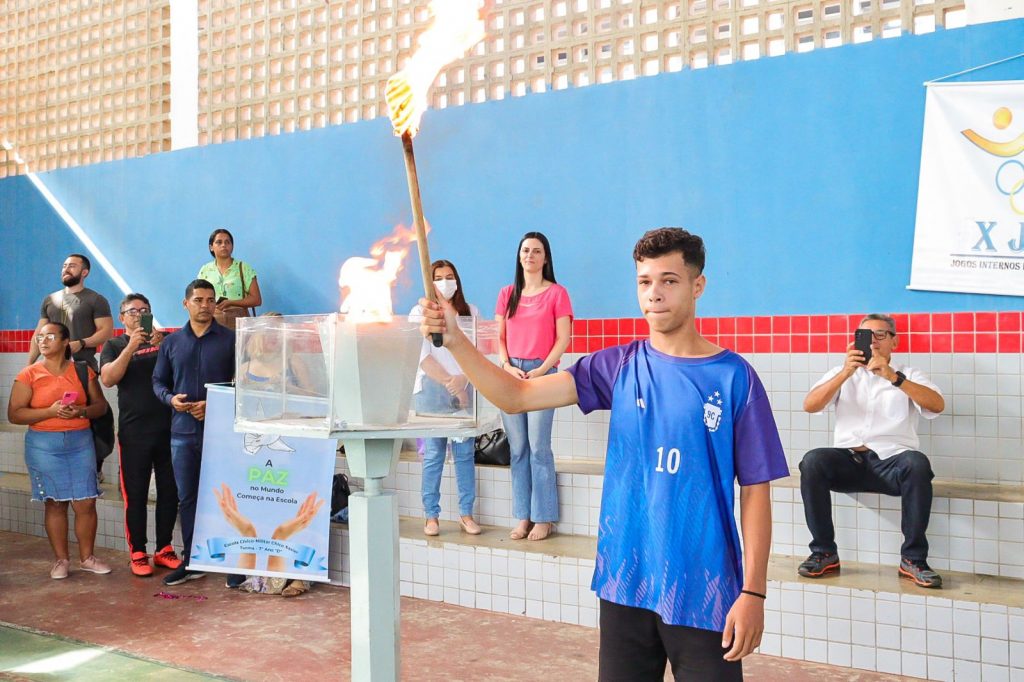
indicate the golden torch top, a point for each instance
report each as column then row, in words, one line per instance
column 456, row 27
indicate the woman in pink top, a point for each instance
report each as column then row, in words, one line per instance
column 534, row 321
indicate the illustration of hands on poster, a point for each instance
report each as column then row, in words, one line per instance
column 263, row 506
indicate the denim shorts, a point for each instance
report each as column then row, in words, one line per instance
column 61, row 465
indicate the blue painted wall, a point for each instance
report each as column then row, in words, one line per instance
column 800, row 172
column 34, row 244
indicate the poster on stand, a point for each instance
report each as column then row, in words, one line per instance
column 264, row 500
column 969, row 231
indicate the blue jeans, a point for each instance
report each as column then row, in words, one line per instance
column 186, row 458
column 434, row 398
column 534, row 492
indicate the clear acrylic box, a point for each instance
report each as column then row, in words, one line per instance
column 322, row 376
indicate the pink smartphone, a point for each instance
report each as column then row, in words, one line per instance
column 69, row 398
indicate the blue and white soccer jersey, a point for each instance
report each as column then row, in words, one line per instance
column 682, row 431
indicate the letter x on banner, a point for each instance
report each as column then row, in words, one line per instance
column 969, row 233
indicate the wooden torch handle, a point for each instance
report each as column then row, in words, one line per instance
column 412, row 179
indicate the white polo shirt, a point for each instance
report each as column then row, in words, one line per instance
column 871, row 412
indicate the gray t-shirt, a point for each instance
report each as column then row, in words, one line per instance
column 78, row 312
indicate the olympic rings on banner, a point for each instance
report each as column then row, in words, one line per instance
column 1017, row 187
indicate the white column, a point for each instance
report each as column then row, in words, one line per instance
column 184, row 73
column 373, row 561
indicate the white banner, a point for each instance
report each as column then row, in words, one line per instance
column 969, row 233
column 264, row 501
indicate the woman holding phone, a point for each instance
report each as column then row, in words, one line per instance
column 234, row 282
column 442, row 388
column 49, row 398
column 534, row 326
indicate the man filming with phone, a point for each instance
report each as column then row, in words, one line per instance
column 875, row 447
column 143, row 434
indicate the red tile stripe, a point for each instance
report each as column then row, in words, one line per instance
column 971, row 332
column 19, row 340
column 968, row 332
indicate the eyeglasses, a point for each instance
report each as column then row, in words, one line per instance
column 881, row 334
column 46, row 337
column 135, row 312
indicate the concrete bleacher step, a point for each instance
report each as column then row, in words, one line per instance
column 975, row 527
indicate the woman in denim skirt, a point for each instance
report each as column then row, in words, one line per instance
column 49, row 398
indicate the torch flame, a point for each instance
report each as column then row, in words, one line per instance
column 366, row 283
column 457, row 26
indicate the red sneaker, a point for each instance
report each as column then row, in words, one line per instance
column 140, row 564
column 167, row 558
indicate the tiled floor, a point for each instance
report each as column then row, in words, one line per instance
column 250, row 637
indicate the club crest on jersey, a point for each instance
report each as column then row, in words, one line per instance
column 713, row 412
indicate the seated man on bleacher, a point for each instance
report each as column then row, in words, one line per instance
column 875, row 450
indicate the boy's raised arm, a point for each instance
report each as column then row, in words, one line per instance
column 508, row 393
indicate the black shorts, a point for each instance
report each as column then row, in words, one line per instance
column 636, row 644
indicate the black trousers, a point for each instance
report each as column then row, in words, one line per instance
column 907, row 475
column 140, row 455
column 636, row 644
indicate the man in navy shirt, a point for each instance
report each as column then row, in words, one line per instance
column 688, row 419
column 202, row 352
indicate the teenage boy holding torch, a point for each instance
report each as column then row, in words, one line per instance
column 687, row 420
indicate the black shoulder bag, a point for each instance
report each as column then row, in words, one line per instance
column 102, row 426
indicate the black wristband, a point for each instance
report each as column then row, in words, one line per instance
column 900, row 378
column 754, row 594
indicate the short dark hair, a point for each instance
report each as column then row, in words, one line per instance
column 134, row 296
column 197, row 284
column 220, row 230
column 665, row 240
column 86, row 263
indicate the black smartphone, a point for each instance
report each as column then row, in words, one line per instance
column 862, row 342
column 146, row 322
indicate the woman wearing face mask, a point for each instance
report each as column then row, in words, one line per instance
column 441, row 388
column 534, row 326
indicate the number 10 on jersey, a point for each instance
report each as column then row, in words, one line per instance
column 668, row 461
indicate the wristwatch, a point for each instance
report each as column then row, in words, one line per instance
column 900, row 378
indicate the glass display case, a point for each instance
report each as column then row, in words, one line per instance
column 323, row 376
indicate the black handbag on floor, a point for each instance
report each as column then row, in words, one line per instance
column 492, row 448
column 103, row 426
column 340, row 492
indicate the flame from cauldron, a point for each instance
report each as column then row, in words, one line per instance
column 366, row 283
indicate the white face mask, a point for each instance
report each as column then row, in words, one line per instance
column 446, row 287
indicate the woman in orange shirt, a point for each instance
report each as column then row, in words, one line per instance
column 49, row 398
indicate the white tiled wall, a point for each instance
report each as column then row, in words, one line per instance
column 973, row 536
column 19, row 514
column 506, row 581
column 977, row 438
column 579, row 496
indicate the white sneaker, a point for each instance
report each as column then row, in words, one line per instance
column 60, row 569
column 94, row 565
